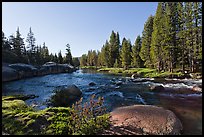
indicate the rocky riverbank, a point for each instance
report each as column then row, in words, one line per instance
column 18, row 71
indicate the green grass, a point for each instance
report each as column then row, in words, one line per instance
column 141, row 72
column 20, row 119
column 89, row 67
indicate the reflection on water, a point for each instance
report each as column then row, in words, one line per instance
column 188, row 107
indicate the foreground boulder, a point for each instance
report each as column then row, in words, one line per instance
column 65, row 96
column 143, row 120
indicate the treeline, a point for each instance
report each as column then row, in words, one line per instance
column 171, row 39
column 14, row 50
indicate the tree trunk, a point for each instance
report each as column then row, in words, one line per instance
column 192, row 65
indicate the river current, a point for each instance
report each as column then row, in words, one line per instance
column 117, row 91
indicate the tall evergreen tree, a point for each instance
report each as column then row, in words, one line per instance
column 182, row 52
column 83, row 60
column 169, row 46
column 5, row 43
column 68, row 55
column 31, row 41
column 45, row 53
column 12, row 41
column 189, row 33
column 126, row 53
column 31, row 47
column 112, row 43
column 18, row 44
column 76, row 62
column 136, row 60
column 146, row 42
column 100, row 60
column 60, row 59
column 197, row 35
column 105, row 54
column 55, row 58
column 157, row 38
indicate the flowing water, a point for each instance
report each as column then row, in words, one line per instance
column 187, row 106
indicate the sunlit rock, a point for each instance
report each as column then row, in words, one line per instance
column 144, row 120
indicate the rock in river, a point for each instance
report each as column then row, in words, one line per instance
column 144, row 120
column 66, row 96
column 197, row 88
column 157, row 88
column 9, row 74
column 92, row 84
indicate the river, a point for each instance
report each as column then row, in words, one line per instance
column 187, row 106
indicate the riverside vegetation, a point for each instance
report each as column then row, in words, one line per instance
column 20, row 119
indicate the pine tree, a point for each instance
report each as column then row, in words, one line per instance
column 146, row 42
column 18, row 44
column 117, row 46
column 126, row 53
column 31, row 41
column 136, row 60
column 169, row 47
column 157, row 42
column 99, row 61
column 105, row 54
column 83, row 60
column 182, row 49
column 76, row 62
column 52, row 57
column 11, row 41
column 5, row 43
column 60, row 59
column 197, row 34
column 68, row 55
column 89, row 58
column 31, row 47
column 189, row 33
column 55, row 58
column 94, row 58
column 112, row 43
column 45, row 54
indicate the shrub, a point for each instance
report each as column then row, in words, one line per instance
column 90, row 118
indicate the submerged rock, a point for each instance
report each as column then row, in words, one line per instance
column 134, row 76
column 118, row 83
column 65, row 96
column 144, row 119
column 157, row 88
column 92, row 84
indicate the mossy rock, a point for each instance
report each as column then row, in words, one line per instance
column 65, row 97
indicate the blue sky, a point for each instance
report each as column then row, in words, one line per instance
column 84, row 25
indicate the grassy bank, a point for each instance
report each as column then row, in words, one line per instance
column 142, row 72
column 89, row 67
column 20, row 119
